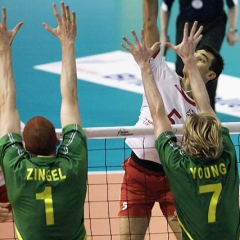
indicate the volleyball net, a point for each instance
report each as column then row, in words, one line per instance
column 106, row 152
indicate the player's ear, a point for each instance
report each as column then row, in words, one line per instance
column 211, row 75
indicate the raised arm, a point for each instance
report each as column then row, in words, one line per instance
column 165, row 12
column 232, row 36
column 142, row 56
column 150, row 16
column 186, row 50
column 66, row 32
column 9, row 117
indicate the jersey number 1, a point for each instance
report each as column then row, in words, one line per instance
column 46, row 196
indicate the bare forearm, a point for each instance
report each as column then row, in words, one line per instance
column 68, row 75
column 164, row 17
column 198, row 87
column 69, row 109
column 152, row 94
column 6, row 76
column 66, row 32
column 150, row 16
column 9, row 117
column 155, row 101
column 142, row 56
column 232, row 17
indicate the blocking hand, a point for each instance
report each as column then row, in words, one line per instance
column 140, row 52
column 187, row 47
column 7, row 36
column 66, row 30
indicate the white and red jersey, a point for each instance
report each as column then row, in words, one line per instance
column 177, row 106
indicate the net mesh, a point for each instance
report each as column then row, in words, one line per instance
column 106, row 151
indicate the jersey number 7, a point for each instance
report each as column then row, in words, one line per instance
column 216, row 190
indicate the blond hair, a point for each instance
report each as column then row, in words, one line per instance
column 203, row 137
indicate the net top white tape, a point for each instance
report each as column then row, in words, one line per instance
column 134, row 131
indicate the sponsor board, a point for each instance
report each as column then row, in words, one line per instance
column 118, row 69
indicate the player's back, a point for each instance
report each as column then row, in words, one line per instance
column 205, row 191
column 210, row 200
column 50, row 203
column 47, row 193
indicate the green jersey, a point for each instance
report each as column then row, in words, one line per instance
column 205, row 192
column 47, row 194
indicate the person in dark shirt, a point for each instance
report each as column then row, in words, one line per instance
column 211, row 15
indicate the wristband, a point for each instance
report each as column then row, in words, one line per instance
column 233, row 30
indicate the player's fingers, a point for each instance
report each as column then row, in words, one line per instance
column 63, row 11
column 169, row 45
column 4, row 212
column 74, row 18
column 4, row 17
column 56, row 14
column 193, row 29
column 48, row 28
column 17, row 27
column 185, row 32
column 143, row 39
column 135, row 37
column 67, row 13
column 155, row 46
column 199, row 31
column 127, row 41
column 199, row 39
column 125, row 47
column 4, row 205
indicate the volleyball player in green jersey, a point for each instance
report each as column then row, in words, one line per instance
column 203, row 174
column 46, row 188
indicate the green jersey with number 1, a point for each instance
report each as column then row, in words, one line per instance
column 47, row 193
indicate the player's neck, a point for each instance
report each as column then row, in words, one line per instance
column 185, row 85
